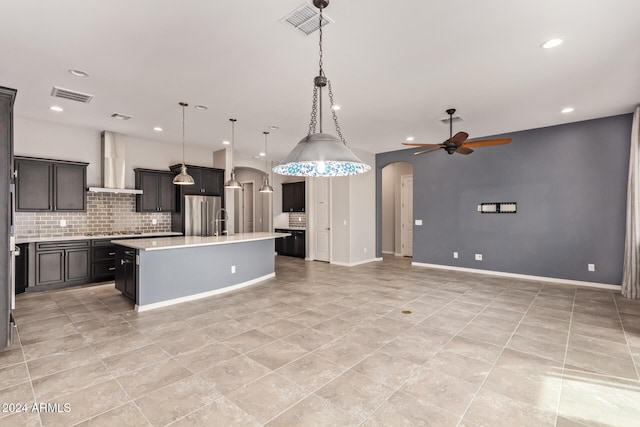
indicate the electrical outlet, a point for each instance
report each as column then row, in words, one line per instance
column 478, row 257
column 365, row 250
column 344, row 222
column 154, row 221
column 418, row 222
column 63, row 223
column 455, row 254
column 233, row 269
column 591, row 267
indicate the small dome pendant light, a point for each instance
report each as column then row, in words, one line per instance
column 232, row 183
column 265, row 187
column 321, row 154
column 183, row 178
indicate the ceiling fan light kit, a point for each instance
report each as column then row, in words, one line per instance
column 457, row 143
column 321, row 154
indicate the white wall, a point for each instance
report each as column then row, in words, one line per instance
column 363, row 212
column 353, row 216
column 53, row 141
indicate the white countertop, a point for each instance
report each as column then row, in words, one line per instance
column 154, row 244
column 94, row 237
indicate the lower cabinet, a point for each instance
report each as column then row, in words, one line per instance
column 294, row 245
column 62, row 262
column 103, row 260
column 126, row 271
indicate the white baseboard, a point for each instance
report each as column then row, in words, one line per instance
column 353, row 264
column 174, row 301
column 520, row 276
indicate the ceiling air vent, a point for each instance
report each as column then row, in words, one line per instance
column 120, row 116
column 304, row 19
column 72, row 95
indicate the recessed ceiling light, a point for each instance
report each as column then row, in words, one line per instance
column 274, row 127
column 262, row 154
column 552, row 43
column 567, row 110
column 200, row 107
column 225, row 142
column 335, row 107
column 256, row 157
column 78, row 73
column 410, row 138
column 158, row 129
column 56, row 108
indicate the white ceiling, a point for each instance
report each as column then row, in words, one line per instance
column 395, row 66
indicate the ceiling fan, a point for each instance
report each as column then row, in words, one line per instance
column 456, row 143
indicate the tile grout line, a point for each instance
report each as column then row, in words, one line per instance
column 33, row 392
column 504, row 347
column 566, row 354
column 624, row 331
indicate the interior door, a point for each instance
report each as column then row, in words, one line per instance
column 322, row 224
column 406, row 214
column 248, row 219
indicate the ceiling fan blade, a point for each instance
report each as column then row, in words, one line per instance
column 487, row 142
column 426, row 151
column 464, row 150
column 459, row 138
column 421, row 145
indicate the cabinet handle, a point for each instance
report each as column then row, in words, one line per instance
column 122, row 261
column 112, row 253
column 111, row 268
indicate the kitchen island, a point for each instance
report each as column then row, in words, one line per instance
column 158, row 272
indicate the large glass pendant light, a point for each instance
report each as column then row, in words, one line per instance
column 232, row 183
column 321, row 154
column 265, row 187
column 183, row 178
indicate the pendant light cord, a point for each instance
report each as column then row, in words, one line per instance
column 183, row 135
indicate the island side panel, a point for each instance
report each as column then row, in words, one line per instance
column 169, row 274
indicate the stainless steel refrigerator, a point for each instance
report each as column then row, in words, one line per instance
column 200, row 215
column 7, row 242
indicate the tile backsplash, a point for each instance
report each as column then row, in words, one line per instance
column 297, row 219
column 106, row 212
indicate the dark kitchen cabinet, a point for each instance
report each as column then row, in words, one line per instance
column 65, row 262
column 208, row 181
column 158, row 191
column 103, row 264
column 22, row 268
column 293, row 245
column 50, row 185
column 126, row 271
column 293, row 197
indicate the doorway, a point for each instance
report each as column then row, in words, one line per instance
column 406, row 215
column 244, row 208
column 396, row 222
column 322, row 222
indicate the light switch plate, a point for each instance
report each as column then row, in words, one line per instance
column 591, row 267
column 455, row 254
column 478, row 257
column 154, row 221
column 418, row 222
column 63, row 223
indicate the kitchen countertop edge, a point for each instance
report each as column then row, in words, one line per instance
column 153, row 244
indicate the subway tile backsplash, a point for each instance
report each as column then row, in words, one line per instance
column 297, row 219
column 106, row 212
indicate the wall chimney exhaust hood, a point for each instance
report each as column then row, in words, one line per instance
column 113, row 170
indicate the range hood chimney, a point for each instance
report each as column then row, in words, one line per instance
column 113, row 170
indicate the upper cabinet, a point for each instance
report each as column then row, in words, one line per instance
column 158, row 191
column 208, row 181
column 293, row 196
column 50, row 185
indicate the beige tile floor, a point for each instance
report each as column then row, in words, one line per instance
column 323, row 345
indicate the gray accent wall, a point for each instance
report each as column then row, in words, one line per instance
column 569, row 183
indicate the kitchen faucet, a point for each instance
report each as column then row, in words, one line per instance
column 218, row 226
